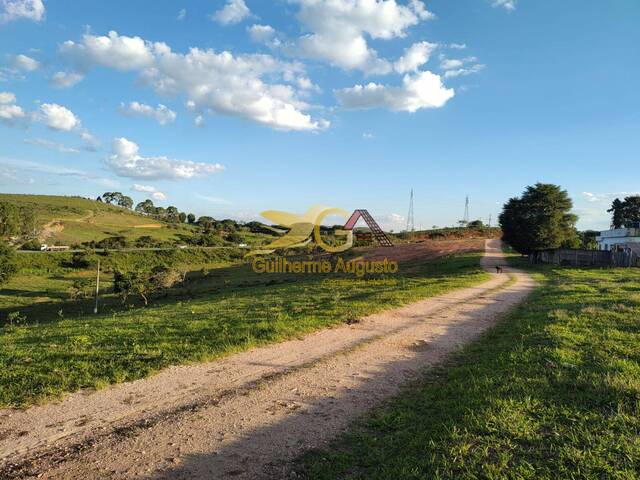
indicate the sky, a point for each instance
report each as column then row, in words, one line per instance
column 232, row 107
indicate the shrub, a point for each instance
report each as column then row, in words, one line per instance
column 145, row 283
column 7, row 262
column 81, row 289
column 31, row 245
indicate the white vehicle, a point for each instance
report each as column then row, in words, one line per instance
column 243, row 245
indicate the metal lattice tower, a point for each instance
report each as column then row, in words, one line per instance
column 465, row 219
column 410, row 218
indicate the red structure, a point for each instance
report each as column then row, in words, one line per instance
column 377, row 232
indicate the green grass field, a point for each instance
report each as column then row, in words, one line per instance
column 84, row 220
column 552, row 392
column 62, row 347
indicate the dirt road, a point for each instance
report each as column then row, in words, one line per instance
column 249, row 415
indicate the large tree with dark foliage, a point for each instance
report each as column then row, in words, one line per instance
column 541, row 218
column 625, row 213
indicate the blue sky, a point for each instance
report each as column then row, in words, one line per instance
column 231, row 107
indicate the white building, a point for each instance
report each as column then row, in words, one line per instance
column 623, row 237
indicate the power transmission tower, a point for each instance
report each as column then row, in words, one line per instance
column 489, row 220
column 465, row 219
column 410, row 217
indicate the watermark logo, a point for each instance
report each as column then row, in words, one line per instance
column 302, row 229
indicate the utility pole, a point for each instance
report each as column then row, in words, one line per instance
column 489, row 220
column 95, row 309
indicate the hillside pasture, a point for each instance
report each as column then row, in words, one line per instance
column 73, row 220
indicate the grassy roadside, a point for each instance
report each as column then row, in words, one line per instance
column 552, row 392
column 43, row 360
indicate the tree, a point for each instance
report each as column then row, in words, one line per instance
column 617, row 213
column 7, row 262
column 539, row 219
column 117, row 198
column 191, row 218
column 206, row 223
column 9, row 220
column 631, row 211
column 625, row 213
column 182, row 217
column 29, row 223
column 125, row 202
column 145, row 283
column 146, row 208
column 475, row 224
column 172, row 214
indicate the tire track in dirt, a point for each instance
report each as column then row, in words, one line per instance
column 250, row 414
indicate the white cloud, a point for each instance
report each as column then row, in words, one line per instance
column 367, row 136
column 161, row 114
column 261, row 33
column 49, row 145
column 198, row 121
column 414, row 57
column 127, row 162
column 337, row 29
column 7, row 97
column 113, row 51
column 92, row 142
column 155, row 194
column 233, row 12
column 42, row 168
column 456, row 67
column 451, row 63
column 24, row 63
column 11, row 10
column 508, row 5
column 422, row 90
column 10, row 113
column 393, row 221
column 57, row 117
column 60, row 118
column 182, row 14
column 65, row 79
column 458, row 46
column 462, row 72
column 218, row 82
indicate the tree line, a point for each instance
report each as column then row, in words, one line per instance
column 625, row 213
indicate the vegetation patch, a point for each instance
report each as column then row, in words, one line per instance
column 49, row 351
column 552, row 392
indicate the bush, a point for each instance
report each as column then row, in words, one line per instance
column 31, row 245
column 145, row 283
column 114, row 243
column 7, row 262
column 235, row 237
column 80, row 289
column 82, row 260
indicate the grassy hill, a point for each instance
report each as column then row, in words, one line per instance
column 73, row 220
